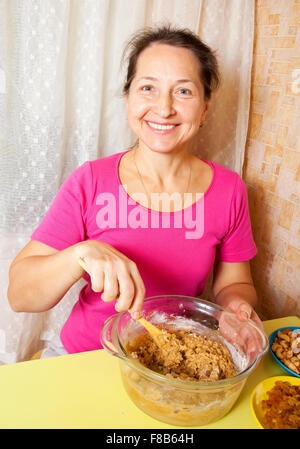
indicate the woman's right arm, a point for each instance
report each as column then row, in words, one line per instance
column 40, row 276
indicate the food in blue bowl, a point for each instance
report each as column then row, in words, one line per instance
column 285, row 348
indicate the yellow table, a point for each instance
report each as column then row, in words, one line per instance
column 82, row 391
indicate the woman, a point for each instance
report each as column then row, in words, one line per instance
column 108, row 211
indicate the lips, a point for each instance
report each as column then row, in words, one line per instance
column 161, row 128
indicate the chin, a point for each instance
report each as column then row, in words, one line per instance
column 163, row 149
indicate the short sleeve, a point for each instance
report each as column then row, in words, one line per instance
column 64, row 223
column 238, row 244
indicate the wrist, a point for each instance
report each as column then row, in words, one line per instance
column 239, row 292
column 73, row 253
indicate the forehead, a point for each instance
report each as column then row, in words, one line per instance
column 169, row 60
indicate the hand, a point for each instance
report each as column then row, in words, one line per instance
column 244, row 311
column 244, row 335
column 113, row 274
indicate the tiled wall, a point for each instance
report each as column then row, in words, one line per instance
column 272, row 163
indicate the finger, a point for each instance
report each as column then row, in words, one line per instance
column 127, row 291
column 244, row 335
column 97, row 280
column 251, row 341
column 228, row 329
column 257, row 321
column 140, row 291
column 244, row 311
column 111, row 286
column 259, row 324
column 252, row 337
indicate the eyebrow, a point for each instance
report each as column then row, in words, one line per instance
column 151, row 78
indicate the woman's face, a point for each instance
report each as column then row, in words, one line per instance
column 165, row 104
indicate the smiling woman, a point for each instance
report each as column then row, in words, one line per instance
column 171, row 75
column 165, row 111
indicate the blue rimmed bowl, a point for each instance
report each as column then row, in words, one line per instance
column 271, row 341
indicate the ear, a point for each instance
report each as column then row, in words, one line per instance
column 126, row 101
column 204, row 113
column 207, row 104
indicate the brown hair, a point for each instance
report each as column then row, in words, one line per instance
column 178, row 37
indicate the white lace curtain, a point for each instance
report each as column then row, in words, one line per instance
column 61, row 104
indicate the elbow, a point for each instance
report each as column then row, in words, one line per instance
column 14, row 300
column 11, row 293
column 22, row 302
column 15, row 293
column 14, row 305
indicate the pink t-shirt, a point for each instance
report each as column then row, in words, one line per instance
column 174, row 252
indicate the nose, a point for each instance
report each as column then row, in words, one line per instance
column 164, row 105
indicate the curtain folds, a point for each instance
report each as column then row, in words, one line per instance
column 61, row 104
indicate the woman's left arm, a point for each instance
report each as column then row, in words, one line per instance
column 233, row 289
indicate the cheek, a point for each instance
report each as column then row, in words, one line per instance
column 192, row 115
column 137, row 108
column 198, row 113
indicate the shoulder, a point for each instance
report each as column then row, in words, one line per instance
column 227, row 188
column 95, row 169
column 223, row 172
column 105, row 163
column 225, row 179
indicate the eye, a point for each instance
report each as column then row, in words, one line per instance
column 185, row 91
column 147, row 88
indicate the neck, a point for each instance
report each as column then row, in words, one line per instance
column 162, row 168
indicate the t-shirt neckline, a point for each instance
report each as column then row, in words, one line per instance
column 135, row 203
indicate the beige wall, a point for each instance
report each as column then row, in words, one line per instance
column 272, row 164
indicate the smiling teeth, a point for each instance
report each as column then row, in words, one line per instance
column 156, row 126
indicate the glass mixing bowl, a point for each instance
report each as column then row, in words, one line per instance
column 182, row 402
